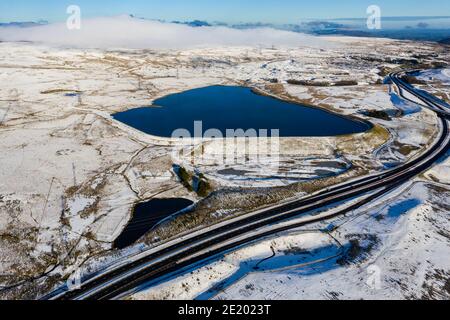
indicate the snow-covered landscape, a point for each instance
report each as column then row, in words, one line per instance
column 71, row 175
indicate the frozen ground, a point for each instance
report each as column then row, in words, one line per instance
column 397, row 248
column 70, row 174
column 441, row 75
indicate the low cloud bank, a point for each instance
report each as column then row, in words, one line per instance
column 128, row 32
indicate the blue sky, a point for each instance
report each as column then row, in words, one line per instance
column 275, row 11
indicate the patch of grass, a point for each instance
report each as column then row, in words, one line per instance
column 314, row 83
column 353, row 252
column 367, row 142
column 378, row 114
column 433, row 178
column 359, row 247
column 58, row 91
column 71, row 191
column 197, row 183
column 344, row 83
column 406, row 150
column 184, row 176
column 412, row 80
column 380, row 132
column 10, row 238
column 309, row 83
column 203, row 188
column 385, row 71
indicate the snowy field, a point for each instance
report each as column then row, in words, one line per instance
column 70, row 174
column 397, row 248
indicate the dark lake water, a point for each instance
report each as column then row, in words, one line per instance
column 224, row 107
column 146, row 216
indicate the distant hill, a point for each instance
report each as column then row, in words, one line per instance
column 25, row 24
column 195, row 23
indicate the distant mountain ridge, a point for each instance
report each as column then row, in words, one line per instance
column 25, row 24
column 194, row 23
column 419, row 28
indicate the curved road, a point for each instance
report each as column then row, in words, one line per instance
column 158, row 262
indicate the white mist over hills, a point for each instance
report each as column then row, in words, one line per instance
column 134, row 33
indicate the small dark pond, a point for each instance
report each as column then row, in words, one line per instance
column 228, row 107
column 146, row 216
